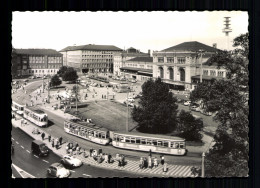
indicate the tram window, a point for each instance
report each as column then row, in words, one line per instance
column 149, row 142
column 143, row 141
column 177, row 145
column 159, row 143
column 165, row 144
column 172, row 145
column 181, row 145
column 155, row 142
column 127, row 139
column 122, row 139
column 133, row 140
column 138, row 140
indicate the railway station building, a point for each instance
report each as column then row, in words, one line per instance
column 91, row 58
column 121, row 58
column 180, row 66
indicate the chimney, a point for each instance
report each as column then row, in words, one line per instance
column 214, row 45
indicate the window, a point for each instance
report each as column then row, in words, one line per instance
column 181, row 60
column 138, row 140
column 212, row 73
column 170, row 59
column 160, row 59
column 205, row 72
column 165, row 144
column 220, row 73
column 143, row 141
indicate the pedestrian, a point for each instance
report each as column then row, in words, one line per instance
column 90, row 152
column 49, row 138
column 21, row 122
column 109, row 158
column 43, row 135
column 99, row 151
column 150, row 164
column 102, row 96
column 165, row 169
column 155, row 162
column 60, row 140
column 150, row 153
column 67, row 149
column 78, row 150
column 162, row 160
column 57, row 143
column 52, row 143
column 106, row 158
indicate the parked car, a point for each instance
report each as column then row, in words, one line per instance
column 193, row 108
column 26, row 80
column 130, row 99
column 187, row 103
column 129, row 104
column 32, row 77
column 71, row 161
column 58, row 170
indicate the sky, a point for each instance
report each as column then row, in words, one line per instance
column 145, row 31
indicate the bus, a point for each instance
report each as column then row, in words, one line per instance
column 36, row 116
column 17, row 108
column 146, row 142
column 87, row 131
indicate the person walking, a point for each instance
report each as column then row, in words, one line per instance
column 43, row 135
column 52, row 142
column 60, row 140
column 155, row 162
column 21, row 122
column 150, row 153
column 49, row 138
column 78, row 150
column 162, row 160
column 90, row 152
column 150, row 162
column 57, row 143
column 165, row 169
column 67, row 149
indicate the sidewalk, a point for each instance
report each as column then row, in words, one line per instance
column 131, row 165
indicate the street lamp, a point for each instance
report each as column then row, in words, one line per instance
column 76, row 95
column 201, row 52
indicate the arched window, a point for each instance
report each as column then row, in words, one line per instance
column 182, row 74
column 170, row 73
column 161, row 72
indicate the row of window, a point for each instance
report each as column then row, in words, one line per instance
column 96, row 52
column 37, row 118
column 45, row 67
column 43, row 71
column 144, row 141
column 180, row 60
column 84, row 131
column 96, row 65
column 213, row 73
column 97, row 56
column 18, row 107
column 97, row 60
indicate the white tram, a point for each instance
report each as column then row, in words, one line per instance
column 87, row 131
column 17, row 108
column 36, row 116
column 146, row 142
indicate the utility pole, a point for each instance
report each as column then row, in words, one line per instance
column 202, row 166
column 76, row 94
column 127, row 112
column 201, row 52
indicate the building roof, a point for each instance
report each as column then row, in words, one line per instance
column 143, row 59
column 137, row 69
column 32, row 51
column 192, row 46
column 92, row 47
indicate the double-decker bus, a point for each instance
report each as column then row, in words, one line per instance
column 36, row 116
column 87, row 131
column 18, row 108
column 146, row 142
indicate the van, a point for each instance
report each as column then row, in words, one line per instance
column 39, row 148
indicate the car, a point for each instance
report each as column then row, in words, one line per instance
column 26, row 80
column 71, row 161
column 187, row 103
column 130, row 99
column 193, row 108
column 129, row 104
column 109, row 85
column 58, row 170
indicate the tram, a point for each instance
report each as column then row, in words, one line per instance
column 87, row 131
column 146, row 142
column 17, row 108
column 36, row 116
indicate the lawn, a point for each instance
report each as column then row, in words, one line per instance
column 108, row 114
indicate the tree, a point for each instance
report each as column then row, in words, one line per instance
column 70, row 75
column 62, row 70
column 157, row 108
column 229, row 155
column 55, row 81
column 75, row 91
column 189, row 126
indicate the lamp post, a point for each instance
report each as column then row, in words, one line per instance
column 202, row 166
column 127, row 112
column 201, row 52
column 76, row 95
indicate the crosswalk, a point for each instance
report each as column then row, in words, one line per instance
column 133, row 166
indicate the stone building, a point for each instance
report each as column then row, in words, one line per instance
column 90, row 58
column 180, row 66
column 37, row 61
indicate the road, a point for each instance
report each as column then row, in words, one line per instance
column 37, row 166
column 55, row 128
